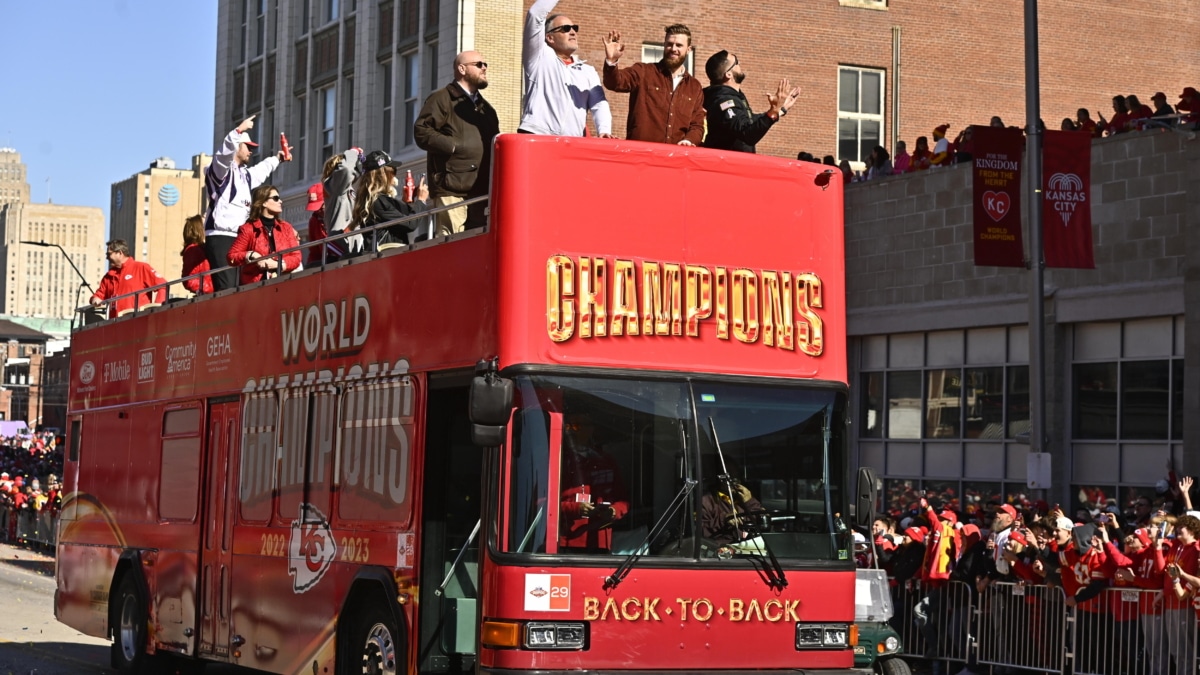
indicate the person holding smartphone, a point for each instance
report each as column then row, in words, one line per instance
column 593, row 492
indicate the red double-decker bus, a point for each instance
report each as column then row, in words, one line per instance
column 605, row 433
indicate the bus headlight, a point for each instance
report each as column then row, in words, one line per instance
column 822, row 636
column 545, row 635
column 891, row 644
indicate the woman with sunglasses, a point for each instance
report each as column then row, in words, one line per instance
column 262, row 236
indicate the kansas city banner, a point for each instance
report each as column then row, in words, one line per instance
column 997, row 196
column 1066, row 200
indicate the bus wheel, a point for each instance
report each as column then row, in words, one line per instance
column 893, row 666
column 374, row 642
column 129, row 627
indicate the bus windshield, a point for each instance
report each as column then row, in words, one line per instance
column 595, row 462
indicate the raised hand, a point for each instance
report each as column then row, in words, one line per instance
column 247, row 124
column 784, row 97
column 613, row 47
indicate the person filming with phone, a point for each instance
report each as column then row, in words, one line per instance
column 593, row 491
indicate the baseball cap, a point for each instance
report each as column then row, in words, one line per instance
column 1019, row 537
column 316, row 197
column 942, row 128
column 1064, row 524
column 1187, row 92
column 243, row 137
column 1142, row 536
column 917, row 534
column 378, row 159
column 1009, row 509
column 1157, row 95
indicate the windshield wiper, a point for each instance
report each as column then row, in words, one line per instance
column 614, row 579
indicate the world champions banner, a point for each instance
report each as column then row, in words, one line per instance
column 997, row 196
column 1066, row 200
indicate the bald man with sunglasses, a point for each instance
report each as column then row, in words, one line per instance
column 560, row 88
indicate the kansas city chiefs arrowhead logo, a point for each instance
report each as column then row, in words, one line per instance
column 311, row 548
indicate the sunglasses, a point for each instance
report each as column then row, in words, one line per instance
column 565, row 28
column 274, row 198
column 482, row 65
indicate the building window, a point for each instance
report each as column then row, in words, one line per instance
column 239, row 94
column 348, row 110
column 412, row 79
column 433, row 9
column 409, row 18
column 325, row 56
column 385, row 74
column 304, row 12
column 348, row 45
column 431, row 59
column 387, row 16
column 301, row 145
column 254, row 88
column 244, row 34
column 260, row 28
column 653, row 53
column 860, row 112
column 331, row 12
column 301, row 65
column 327, row 100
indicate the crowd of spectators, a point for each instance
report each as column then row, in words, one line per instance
column 1129, row 114
column 30, row 467
column 928, row 539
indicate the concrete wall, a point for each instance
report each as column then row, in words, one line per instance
column 910, row 269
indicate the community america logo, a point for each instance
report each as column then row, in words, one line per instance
column 311, row 549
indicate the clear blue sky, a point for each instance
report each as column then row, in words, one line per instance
column 94, row 90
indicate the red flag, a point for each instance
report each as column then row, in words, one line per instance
column 1067, row 200
column 997, row 196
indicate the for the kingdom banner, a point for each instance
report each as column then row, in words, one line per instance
column 997, row 196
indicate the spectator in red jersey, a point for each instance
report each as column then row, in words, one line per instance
column 1082, row 566
column 942, row 548
column 126, row 275
column 942, row 152
column 1125, row 605
column 1084, row 122
column 195, row 260
column 1137, row 111
column 316, row 222
column 265, row 234
column 1181, row 562
column 1119, row 123
column 1161, row 107
column 903, row 159
column 1135, row 568
column 922, row 158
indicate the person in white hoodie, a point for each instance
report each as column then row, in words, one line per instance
column 560, row 88
column 230, row 181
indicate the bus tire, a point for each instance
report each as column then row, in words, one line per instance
column 893, row 666
column 373, row 643
column 129, row 623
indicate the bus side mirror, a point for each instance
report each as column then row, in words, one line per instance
column 490, row 407
column 868, row 495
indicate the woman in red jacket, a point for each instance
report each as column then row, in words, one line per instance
column 194, row 259
column 263, row 235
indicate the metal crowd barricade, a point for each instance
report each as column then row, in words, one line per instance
column 31, row 526
column 934, row 623
column 8, row 524
column 1022, row 626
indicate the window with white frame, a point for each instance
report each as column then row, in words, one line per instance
column 653, row 53
column 860, row 112
column 327, row 100
column 385, row 74
column 412, row 84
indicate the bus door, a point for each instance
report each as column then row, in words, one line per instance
column 216, row 552
column 451, row 513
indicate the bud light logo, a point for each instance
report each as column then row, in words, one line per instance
column 311, row 549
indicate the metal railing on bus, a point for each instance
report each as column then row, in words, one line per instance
column 1123, row 631
column 90, row 314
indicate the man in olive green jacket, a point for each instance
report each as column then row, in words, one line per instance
column 455, row 128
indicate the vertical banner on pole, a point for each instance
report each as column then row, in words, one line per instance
column 997, row 196
column 1067, row 199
